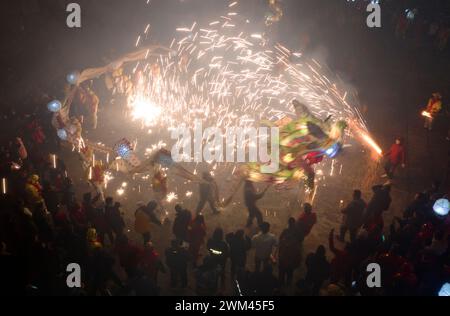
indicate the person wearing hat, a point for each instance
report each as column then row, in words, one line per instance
column 434, row 107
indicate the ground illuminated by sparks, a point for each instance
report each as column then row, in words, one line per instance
column 221, row 75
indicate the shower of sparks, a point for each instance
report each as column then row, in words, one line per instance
column 221, row 75
column 171, row 197
column 227, row 78
column 145, row 110
column 372, row 144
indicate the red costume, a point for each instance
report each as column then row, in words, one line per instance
column 396, row 154
column 196, row 236
column 150, row 263
column 36, row 132
column 307, row 221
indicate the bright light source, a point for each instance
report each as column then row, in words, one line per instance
column 171, row 197
column 54, row 106
column 427, row 114
column 442, row 207
column 4, row 186
column 62, row 134
column 333, row 150
column 72, row 78
column 146, row 110
column 372, row 143
column 445, row 290
column 216, row 252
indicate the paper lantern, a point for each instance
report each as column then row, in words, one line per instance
column 72, row 78
column 54, row 106
column 445, row 290
column 442, row 207
column 62, row 134
column 124, row 150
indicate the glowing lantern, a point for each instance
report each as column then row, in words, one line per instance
column 62, row 134
column 442, row 207
column 72, row 78
column 54, row 106
column 124, row 149
column 445, row 290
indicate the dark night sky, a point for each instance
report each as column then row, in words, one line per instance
column 38, row 47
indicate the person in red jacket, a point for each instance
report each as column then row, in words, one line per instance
column 151, row 263
column 37, row 134
column 306, row 220
column 395, row 157
column 196, row 236
column 129, row 255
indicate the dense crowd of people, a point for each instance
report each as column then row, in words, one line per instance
column 44, row 226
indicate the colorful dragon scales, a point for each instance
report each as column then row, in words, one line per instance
column 303, row 142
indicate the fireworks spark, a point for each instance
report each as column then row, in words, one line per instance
column 229, row 78
column 172, row 196
column 372, row 144
column 224, row 77
column 145, row 110
column 4, row 190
